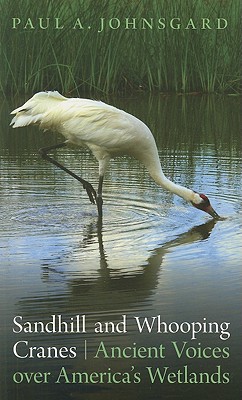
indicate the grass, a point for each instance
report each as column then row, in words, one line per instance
column 85, row 61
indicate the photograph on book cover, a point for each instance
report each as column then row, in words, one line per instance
column 121, row 202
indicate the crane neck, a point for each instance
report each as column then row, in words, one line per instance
column 182, row 191
column 159, row 177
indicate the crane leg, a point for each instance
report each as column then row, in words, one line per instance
column 86, row 185
column 99, row 199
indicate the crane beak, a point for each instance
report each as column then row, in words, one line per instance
column 212, row 212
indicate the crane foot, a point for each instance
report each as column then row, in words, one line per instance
column 90, row 191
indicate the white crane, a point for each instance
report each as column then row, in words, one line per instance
column 108, row 132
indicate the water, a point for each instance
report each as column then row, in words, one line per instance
column 155, row 255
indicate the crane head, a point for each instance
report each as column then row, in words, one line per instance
column 204, row 205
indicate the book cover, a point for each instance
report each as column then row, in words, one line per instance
column 144, row 301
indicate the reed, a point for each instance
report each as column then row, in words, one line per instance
column 87, row 61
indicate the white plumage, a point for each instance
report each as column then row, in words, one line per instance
column 107, row 131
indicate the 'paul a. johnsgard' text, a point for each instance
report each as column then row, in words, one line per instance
column 156, row 375
column 103, row 24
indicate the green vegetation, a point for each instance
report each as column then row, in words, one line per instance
column 87, row 61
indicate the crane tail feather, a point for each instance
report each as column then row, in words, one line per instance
column 32, row 111
column 23, row 119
